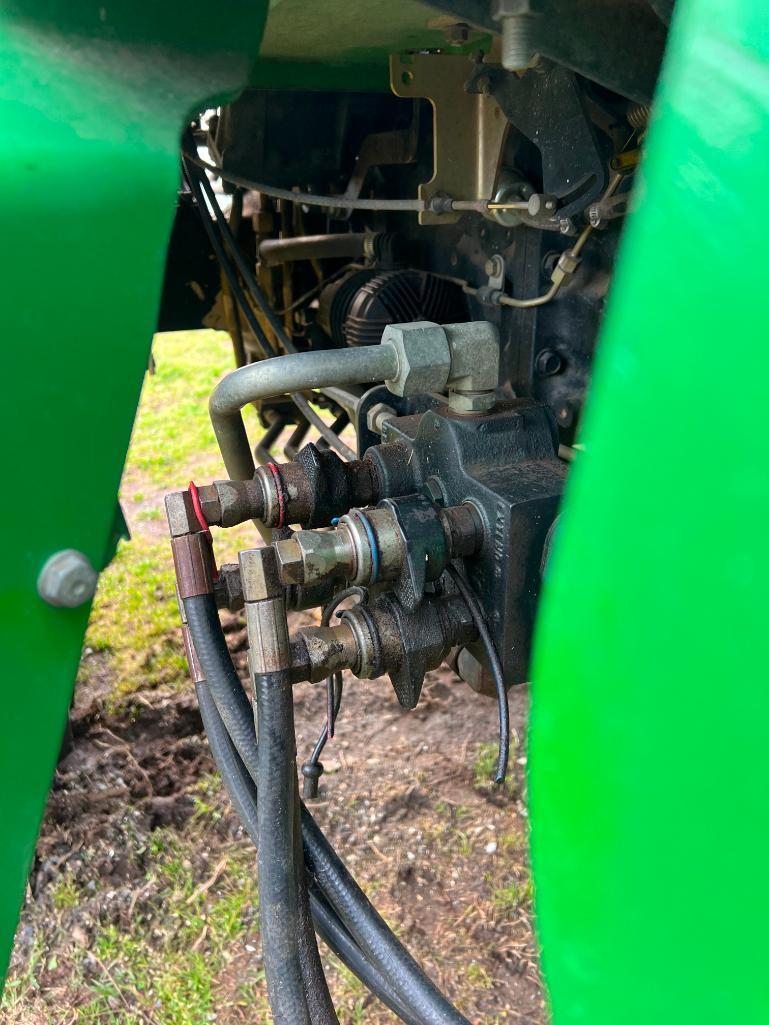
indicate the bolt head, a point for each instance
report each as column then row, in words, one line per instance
column 458, row 34
column 67, row 580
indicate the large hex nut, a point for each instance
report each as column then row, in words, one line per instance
column 67, row 580
column 474, row 349
column 424, row 357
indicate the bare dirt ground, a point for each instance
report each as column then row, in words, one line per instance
column 143, row 906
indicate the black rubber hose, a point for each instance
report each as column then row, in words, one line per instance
column 371, row 933
column 242, row 792
column 278, row 892
column 224, row 683
column 377, row 941
column 238, row 784
column 336, row 937
column 319, row 1002
column 240, row 262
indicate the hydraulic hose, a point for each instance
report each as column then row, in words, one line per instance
column 224, row 683
column 194, row 182
column 377, row 943
column 238, row 784
column 287, row 374
column 372, row 934
column 278, row 890
column 337, row 939
column 319, row 1002
column 242, row 792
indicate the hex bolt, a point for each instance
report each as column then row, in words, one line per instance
column 458, row 34
column 67, row 579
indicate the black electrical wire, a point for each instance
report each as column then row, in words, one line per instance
column 193, row 180
column 375, row 940
column 198, row 182
column 335, row 682
column 496, row 669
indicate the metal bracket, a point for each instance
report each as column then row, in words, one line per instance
column 468, row 129
column 547, row 108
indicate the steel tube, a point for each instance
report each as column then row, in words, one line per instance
column 274, row 251
column 279, row 376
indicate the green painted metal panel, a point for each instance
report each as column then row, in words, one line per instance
column 649, row 750
column 347, row 46
column 94, row 96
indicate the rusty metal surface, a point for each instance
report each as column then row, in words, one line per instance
column 192, row 562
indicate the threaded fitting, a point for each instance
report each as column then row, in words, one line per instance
column 517, row 42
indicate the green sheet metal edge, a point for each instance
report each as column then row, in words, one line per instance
column 93, row 97
column 650, row 727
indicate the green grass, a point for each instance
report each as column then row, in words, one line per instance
column 518, row 893
column 172, row 430
column 485, row 767
column 164, row 967
column 135, row 620
column 66, row 893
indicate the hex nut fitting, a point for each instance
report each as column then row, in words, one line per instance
column 472, row 401
column 566, row 266
column 378, row 415
column 424, row 357
column 67, row 580
column 260, row 574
